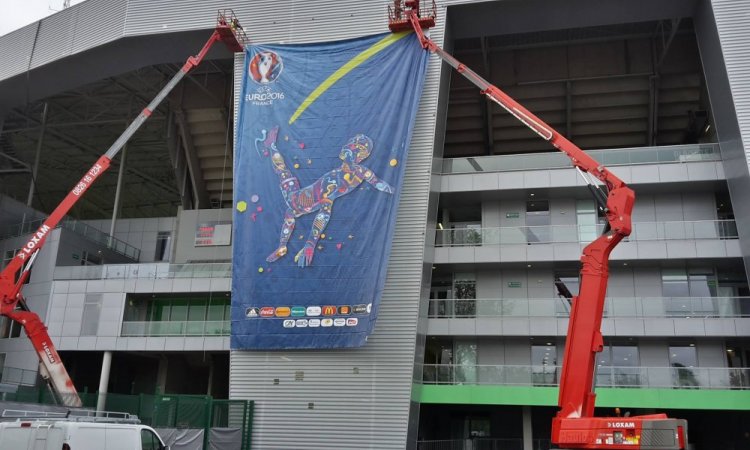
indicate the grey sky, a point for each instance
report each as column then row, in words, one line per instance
column 14, row 14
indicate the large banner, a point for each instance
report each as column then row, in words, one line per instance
column 324, row 131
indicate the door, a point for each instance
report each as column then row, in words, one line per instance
column 537, row 221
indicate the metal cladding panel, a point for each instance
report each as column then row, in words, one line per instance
column 55, row 37
column 353, row 398
column 16, row 50
column 732, row 20
column 97, row 23
column 76, row 29
column 165, row 16
column 266, row 21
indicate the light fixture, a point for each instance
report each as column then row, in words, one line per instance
column 528, row 265
column 440, row 225
column 692, row 345
column 531, row 195
column 549, row 343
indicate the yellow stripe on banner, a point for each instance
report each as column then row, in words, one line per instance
column 345, row 69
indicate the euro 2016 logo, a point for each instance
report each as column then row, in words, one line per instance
column 265, row 67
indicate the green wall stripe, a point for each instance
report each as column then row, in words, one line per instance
column 547, row 396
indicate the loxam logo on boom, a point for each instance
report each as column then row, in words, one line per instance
column 620, row 424
column 28, row 249
column 48, row 352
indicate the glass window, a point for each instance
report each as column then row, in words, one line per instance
column 617, row 365
column 537, row 221
column 163, row 245
column 149, row 441
column 468, row 233
column 587, row 219
column 465, row 294
column 5, row 325
column 690, row 292
column 477, row 427
column 438, row 360
column 544, row 363
column 683, row 358
column 440, row 292
column 674, row 283
column 15, row 329
column 466, row 361
column 197, row 311
column 8, row 257
column 572, row 282
column 216, row 311
column 92, row 308
column 179, row 310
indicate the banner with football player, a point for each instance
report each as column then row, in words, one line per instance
column 322, row 144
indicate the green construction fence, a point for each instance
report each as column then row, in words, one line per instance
column 163, row 410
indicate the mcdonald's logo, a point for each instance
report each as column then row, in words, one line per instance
column 329, row 310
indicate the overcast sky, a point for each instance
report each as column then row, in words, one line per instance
column 16, row 13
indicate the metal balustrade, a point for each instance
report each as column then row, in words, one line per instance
column 557, row 234
column 607, row 157
column 147, row 271
column 635, row 307
column 606, row 376
column 18, row 377
column 176, row 328
column 82, row 229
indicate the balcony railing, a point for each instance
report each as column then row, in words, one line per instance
column 176, row 328
column 14, row 376
column 556, row 234
column 606, row 376
column 607, row 157
column 151, row 271
column 80, row 228
column 637, row 307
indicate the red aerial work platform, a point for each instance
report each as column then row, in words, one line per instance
column 575, row 426
column 229, row 31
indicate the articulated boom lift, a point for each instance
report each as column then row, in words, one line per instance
column 575, row 426
column 12, row 304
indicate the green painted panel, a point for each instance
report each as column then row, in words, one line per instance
column 547, row 396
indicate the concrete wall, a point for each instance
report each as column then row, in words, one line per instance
column 140, row 233
column 64, row 321
column 185, row 248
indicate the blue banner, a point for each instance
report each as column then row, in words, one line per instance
column 322, row 145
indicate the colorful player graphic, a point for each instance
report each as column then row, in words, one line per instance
column 320, row 195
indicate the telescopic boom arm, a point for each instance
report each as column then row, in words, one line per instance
column 575, row 425
column 13, row 277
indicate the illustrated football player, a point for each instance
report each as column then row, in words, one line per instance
column 319, row 196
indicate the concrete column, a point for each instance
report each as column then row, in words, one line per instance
column 118, row 193
column 210, row 374
column 161, row 375
column 528, row 436
column 104, row 380
column 39, row 143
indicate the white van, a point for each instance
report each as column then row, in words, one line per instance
column 66, row 434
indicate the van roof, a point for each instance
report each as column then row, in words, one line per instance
column 72, row 415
